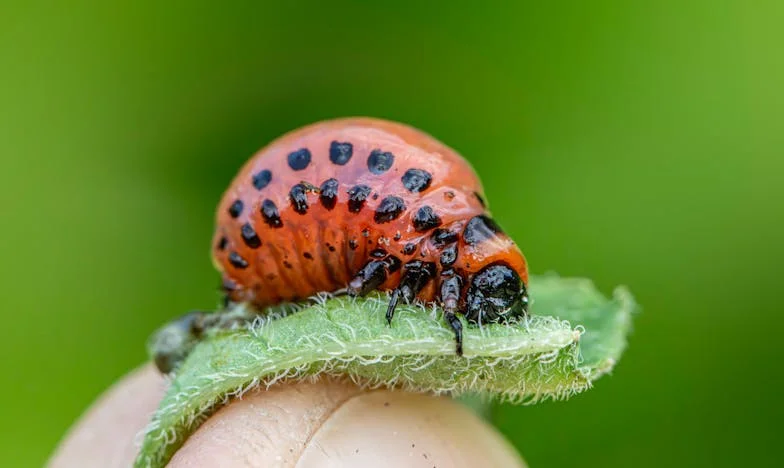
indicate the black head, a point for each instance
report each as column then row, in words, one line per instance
column 496, row 293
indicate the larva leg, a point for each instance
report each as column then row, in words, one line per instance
column 416, row 275
column 368, row 278
column 392, row 305
column 449, row 298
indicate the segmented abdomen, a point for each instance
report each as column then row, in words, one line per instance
column 308, row 212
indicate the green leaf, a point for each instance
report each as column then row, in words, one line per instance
column 573, row 336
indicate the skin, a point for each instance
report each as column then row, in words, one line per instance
column 312, row 252
column 323, row 423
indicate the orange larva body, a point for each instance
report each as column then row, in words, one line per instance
column 364, row 204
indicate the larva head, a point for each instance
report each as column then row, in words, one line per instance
column 496, row 293
column 497, row 284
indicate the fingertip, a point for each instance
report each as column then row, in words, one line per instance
column 307, row 424
column 335, row 423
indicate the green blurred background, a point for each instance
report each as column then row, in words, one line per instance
column 635, row 143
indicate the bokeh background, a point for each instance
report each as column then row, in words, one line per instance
column 635, row 143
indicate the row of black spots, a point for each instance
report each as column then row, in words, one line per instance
column 339, row 153
column 479, row 229
column 415, row 180
column 328, row 194
column 425, row 219
column 269, row 211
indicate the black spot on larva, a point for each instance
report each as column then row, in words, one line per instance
column 299, row 160
column 262, row 179
column 449, row 256
column 250, row 237
column 340, row 153
column 356, row 197
column 329, row 193
column 480, row 228
column 481, row 200
column 270, row 214
column 271, row 276
column 398, row 236
column 236, row 208
column 222, row 243
column 389, row 209
column 442, row 237
column 378, row 253
column 330, row 247
column 237, row 261
column 299, row 198
column 308, row 255
column 375, row 196
column 449, row 195
column 287, row 264
column 365, row 232
column 353, row 244
column 425, row 219
column 409, row 248
column 416, row 180
column 380, row 161
column 393, row 263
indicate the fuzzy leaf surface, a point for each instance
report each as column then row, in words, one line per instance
column 573, row 336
